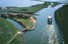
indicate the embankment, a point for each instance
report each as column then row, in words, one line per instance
column 7, row 31
column 61, row 17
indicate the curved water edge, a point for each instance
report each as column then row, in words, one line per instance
column 33, row 27
column 17, row 25
column 23, row 29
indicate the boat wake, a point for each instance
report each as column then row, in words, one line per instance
column 49, row 35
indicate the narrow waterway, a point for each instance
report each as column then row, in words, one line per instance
column 17, row 25
column 50, row 35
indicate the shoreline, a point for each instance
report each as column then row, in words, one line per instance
column 33, row 19
column 61, row 21
column 34, row 22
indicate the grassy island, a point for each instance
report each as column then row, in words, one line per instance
column 25, row 22
column 61, row 17
column 7, row 31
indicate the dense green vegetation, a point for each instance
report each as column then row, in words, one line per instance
column 7, row 31
column 61, row 17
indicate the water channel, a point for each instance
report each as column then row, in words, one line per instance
column 40, row 34
column 43, row 33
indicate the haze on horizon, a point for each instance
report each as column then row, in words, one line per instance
column 19, row 3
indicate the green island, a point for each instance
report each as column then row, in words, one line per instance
column 25, row 22
column 61, row 17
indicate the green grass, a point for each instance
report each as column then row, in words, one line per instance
column 38, row 7
column 61, row 17
column 25, row 22
column 7, row 31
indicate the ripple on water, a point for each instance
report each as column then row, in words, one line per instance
column 49, row 35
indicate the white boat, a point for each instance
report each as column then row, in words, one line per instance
column 49, row 20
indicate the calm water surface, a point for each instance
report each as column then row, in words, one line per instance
column 44, row 34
